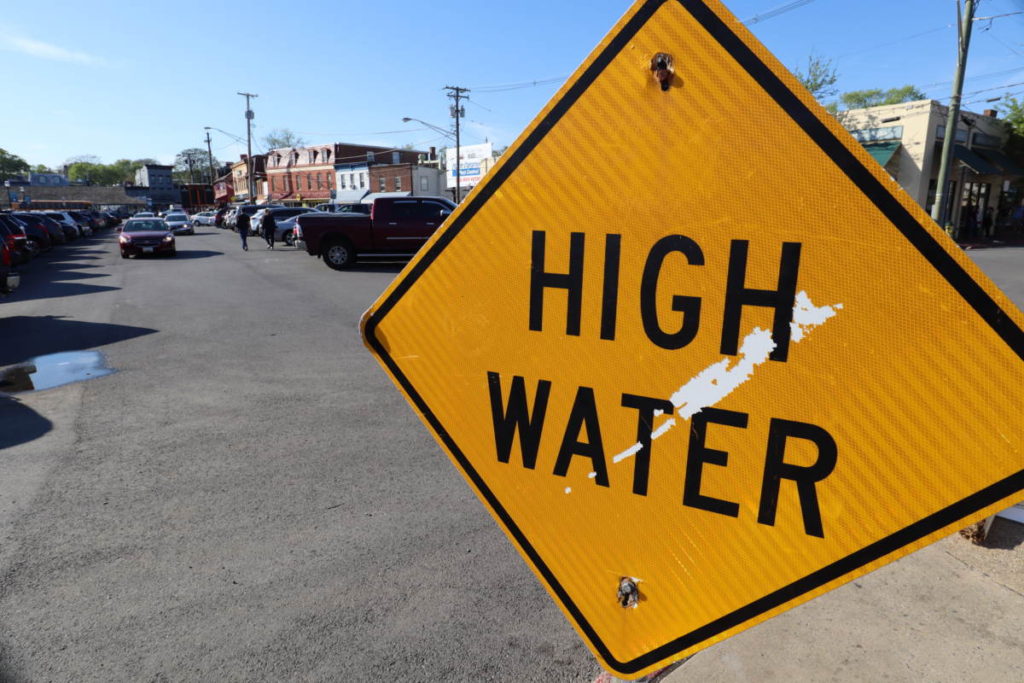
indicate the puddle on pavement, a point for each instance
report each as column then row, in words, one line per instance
column 53, row 370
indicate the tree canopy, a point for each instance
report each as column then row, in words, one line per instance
column 12, row 165
column 193, row 164
column 81, row 169
column 862, row 99
column 282, row 137
column 820, row 77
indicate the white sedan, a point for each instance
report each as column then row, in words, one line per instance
column 203, row 218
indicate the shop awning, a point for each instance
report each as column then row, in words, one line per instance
column 882, row 151
column 1008, row 165
column 975, row 162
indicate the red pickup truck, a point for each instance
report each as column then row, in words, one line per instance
column 396, row 226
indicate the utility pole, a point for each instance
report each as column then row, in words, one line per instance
column 248, row 145
column 209, row 151
column 458, row 111
column 939, row 210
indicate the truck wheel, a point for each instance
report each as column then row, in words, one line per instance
column 339, row 255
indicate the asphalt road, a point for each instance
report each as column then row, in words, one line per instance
column 247, row 497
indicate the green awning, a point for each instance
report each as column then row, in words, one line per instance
column 1008, row 165
column 882, row 151
column 974, row 161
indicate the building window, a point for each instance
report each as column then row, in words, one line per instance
column 382, row 185
column 362, row 180
column 319, row 182
column 341, row 181
column 398, row 184
column 309, row 181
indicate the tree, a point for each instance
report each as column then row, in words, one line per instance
column 820, row 77
column 41, row 168
column 83, row 158
column 191, row 163
column 862, row 99
column 12, row 165
column 282, row 137
column 93, row 173
column 1012, row 110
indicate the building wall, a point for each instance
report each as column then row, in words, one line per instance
column 47, row 179
column 920, row 128
column 307, row 175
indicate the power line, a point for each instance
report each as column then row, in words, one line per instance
column 518, row 86
column 781, row 9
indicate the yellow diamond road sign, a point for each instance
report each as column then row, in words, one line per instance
column 699, row 356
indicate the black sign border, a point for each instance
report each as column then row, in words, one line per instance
column 891, row 208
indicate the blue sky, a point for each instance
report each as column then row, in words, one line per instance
column 121, row 79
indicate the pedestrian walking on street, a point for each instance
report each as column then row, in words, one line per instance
column 269, row 226
column 242, row 223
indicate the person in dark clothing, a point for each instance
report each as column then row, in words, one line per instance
column 242, row 223
column 269, row 226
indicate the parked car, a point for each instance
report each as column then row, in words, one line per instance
column 179, row 224
column 12, row 234
column 38, row 234
column 249, row 210
column 280, row 213
column 85, row 220
column 345, row 208
column 9, row 278
column 144, row 214
column 144, row 236
column 256, row 217
column 202, row 218
column 285, row 231
column 56, row 231
column 396, row 226
column 67, row 223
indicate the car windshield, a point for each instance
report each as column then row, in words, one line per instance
column 176, row 217
column 144, row 226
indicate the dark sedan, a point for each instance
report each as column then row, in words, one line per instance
column 146, row 236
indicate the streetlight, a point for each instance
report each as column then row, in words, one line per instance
column 442, row 131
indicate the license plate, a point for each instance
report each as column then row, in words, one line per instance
column 147, row 250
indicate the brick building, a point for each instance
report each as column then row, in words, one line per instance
column 412, row 178
column 306, row 175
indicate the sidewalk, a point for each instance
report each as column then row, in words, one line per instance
column 950, row 612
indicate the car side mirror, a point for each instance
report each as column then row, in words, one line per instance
column 444, row 213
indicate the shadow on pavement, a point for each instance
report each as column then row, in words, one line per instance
column 30, row 336
column 196, row 253
column 70, row 274
column 19, row 423
column 378, row 267
column 51, row 290
column 1005, row 535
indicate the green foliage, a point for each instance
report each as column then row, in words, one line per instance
column 1012, row 110
column 93, row 173
column 820, row 77
column 862, row 99
column 88, row 168
column 282, row 137
column 12, row 165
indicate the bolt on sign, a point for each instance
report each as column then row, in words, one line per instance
column 699, row 356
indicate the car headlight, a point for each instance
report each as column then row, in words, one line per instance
column 125, row 239
column 168, row 238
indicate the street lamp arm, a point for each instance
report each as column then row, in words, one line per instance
column 437, row 129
